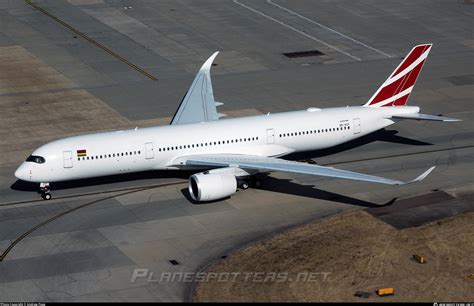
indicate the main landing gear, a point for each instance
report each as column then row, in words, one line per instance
column 45, row 191
column 253, row 182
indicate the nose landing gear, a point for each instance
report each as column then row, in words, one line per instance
column 45, row 191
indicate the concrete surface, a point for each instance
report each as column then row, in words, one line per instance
column 55, row 83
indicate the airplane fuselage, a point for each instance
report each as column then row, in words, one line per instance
column 155, row 148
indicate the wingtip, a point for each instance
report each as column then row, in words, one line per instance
column 208, row 63
column 214, row 55
column 424, row 174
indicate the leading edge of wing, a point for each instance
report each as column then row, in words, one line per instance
column 275, row 164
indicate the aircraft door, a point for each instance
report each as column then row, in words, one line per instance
column 67, row 159
column 149, row 152
column 270, row 136
column 356, row 122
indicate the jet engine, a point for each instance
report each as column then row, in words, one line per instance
column 211, row 186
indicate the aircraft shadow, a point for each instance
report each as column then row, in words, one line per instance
column 20, row 185
column 286, row 186
column 380, row 135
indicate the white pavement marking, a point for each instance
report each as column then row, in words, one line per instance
column 296, row 30
column 329, row 29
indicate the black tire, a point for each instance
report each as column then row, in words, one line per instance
column 256, row 182
column 47, row 196
column 245, row 185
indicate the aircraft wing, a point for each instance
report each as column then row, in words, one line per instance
column 198, row 104
column 275, row 164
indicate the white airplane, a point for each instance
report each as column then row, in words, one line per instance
column 231, row 151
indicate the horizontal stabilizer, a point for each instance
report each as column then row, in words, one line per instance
column 418, row 116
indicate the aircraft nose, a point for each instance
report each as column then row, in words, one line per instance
column 22, row 172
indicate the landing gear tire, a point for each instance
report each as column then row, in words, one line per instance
column 44, row 190
column 245, row 185
column 46, row 196
column 256, row 182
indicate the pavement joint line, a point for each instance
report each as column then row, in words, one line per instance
column 31, row 230
column 92, row 41
column 297, row 31
column 329, row 29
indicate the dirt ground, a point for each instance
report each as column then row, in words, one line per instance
column 350, row 252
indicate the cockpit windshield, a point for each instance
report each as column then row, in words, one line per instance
column 36, row 159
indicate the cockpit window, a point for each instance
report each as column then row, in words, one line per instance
column 36, row 159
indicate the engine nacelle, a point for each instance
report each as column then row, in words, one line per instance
column 211, row 186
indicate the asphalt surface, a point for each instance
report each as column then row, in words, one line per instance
column 78, row 66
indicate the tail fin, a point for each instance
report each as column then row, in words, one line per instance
column 397, row 88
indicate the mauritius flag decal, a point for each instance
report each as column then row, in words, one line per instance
column 81, row 153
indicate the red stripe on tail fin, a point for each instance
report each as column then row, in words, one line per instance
column 396, row 90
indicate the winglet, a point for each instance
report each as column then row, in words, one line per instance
column 207, row 64
column 198, row 104
column 421, row 177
